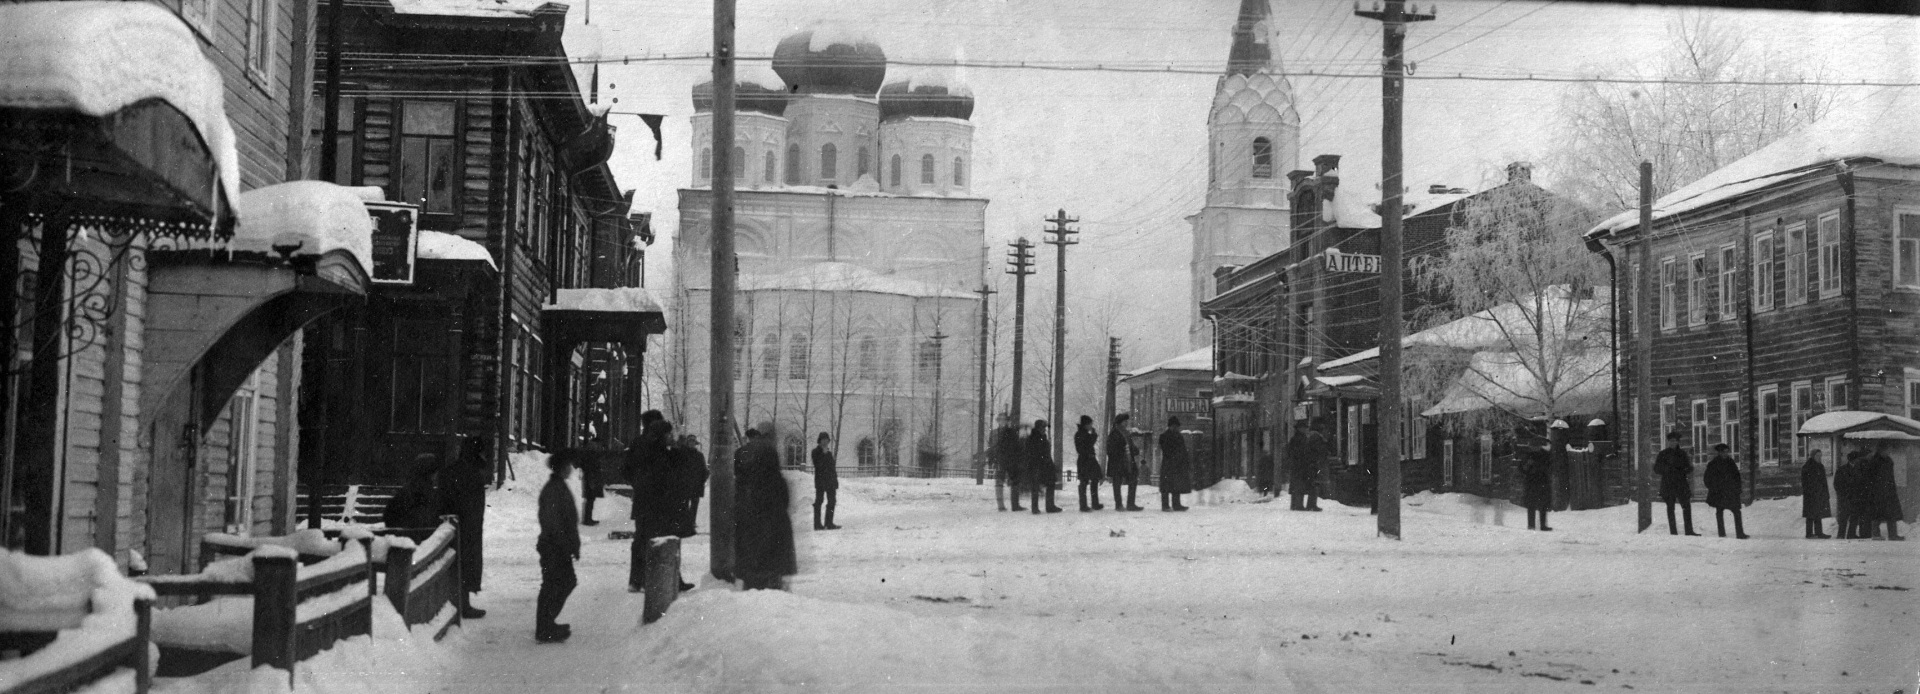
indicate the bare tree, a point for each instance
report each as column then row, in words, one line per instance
column 1686, row 130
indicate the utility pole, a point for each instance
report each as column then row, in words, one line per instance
column 1020, row 261
column 1062, row 238
column 720, row 322
column 939, row 356
column 1394, row 21
column 1113, row 380
column 980, row 429
column 1646, row 439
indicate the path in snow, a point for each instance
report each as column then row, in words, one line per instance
column 929, row 589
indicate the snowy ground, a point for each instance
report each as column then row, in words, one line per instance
column 928, row 589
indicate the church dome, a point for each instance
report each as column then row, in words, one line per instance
column 747, row 96
column 828, row 60
column 925, row 96
column 1260, row 96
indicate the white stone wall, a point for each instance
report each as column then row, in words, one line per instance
column 912, row 139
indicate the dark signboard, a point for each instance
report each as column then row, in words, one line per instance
column 396, row 239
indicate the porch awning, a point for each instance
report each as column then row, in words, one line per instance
column 622, row 314
column 1854, row 424
column 118, row 98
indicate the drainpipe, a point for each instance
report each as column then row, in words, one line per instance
column 1851, row 279
column 1752, row 417
column 1613, row 327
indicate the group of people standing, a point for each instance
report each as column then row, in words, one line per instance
column 459, row 489
column 1722, row 477
column 1865, row 494
column 1025, row 465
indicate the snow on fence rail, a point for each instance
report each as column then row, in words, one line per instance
column 71, row 623
column 422, row 567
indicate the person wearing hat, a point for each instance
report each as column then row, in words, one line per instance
column 1176, row 472
column 1536, row 472
column 1121, row 466
column 1883, row 493
column 1723, row 490
column 1846, row 495
column 826, row 483
column 1305, row 453
column 763, row 535
column 1814, row 504
column 1009, row 456
column 1087, row 464
column 1675, row 468
column 1041, row 472
column 558, row 545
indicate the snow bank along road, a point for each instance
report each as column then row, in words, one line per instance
column 928, row 589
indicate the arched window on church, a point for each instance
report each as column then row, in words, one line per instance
column 865, row 163
column 869, row 358
column 739, row 163
column 893, row 179
column 796, row 449
column 772, row 166
column 829, row 162
column 926, row 169
column 798, row 357
column 863, row 454
column 706, row 162
column 793, row 165
column 959, row 176
column 770, row 356
column 1262, row 158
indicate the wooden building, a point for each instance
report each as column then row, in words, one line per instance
column 1786, row 284
column 1178, row 387
column 507, row 163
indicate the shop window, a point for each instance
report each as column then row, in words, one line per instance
column 429, row 155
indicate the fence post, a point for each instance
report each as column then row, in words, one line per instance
column 142, row 641
column 662, row 578
column 460, row 596
column 399, row 578
column 373, row 586
column 276, row 600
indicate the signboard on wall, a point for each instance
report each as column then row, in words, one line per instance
column 1186, row 404
column 1351, row 262
column 396, row 241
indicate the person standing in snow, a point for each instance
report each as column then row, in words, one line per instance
column 1675, row 468
column 1009, row 457
column 1176, row 471
column 826, row 483
column 763, row 535
column 591, row 486
column 1847, row 497
column 1536, row 473
column 559, row 546
column 1041, row 472
column 1813, row 495
column 1304, row 456
column 465, row 482
column 693, row 483
column 1087, row 464
column 1883, row 493
column 1121, row 466
column 650, row 471
column 1723, row 490
column 419, row 501
column 1263, row 472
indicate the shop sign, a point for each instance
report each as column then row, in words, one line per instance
column 396, row 241
column 1351, row 262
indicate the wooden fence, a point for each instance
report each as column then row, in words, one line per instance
column 100, row 664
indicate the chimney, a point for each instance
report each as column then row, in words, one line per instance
column 1324, row 163
column 1295, row 176
column 1520, row 172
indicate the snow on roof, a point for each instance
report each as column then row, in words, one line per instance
column 617, row 300
column 1337, row 381
column 440, row 245
column 928, row 119
column 82, row 596
column 1504, row 380
column 1356, row 201
column 1498, row 328
column 1837, row 422
column 97, row 58
column 937, row 77
column 1197, row 360
column 1877, row 126
column 846, row 277
column 471, row 8
column 830, row 34
column 318, row 216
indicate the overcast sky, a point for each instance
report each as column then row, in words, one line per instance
column 1125, row 152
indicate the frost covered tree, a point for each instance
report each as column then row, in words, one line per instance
column 1685, row 130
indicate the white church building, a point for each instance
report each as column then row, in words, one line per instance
column 860, row 251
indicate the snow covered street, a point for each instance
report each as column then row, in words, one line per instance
column 929, row 589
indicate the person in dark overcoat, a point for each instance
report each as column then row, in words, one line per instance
column 419, row 501
column 1675, row 468
column 465, row 482
column 1813, row 495
column 1121, row 466
column 693, row 483
column 1536, row 474
column 1263, row 472
column 558, row 545
column 1086, row 463
column 1846, row 495
column 1883, row 492
column 826, row 483
column 1009, row 456
column 1305, row 453
column 592, row 487
column 1723, row 490
column 650, row 468
column 1176, row 469
column 1041, row 472
column 763, row 534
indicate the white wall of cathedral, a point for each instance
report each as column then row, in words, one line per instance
column 1240, row 176
column 828, row 135
column 926, row 156
column 760, row 142
column 1225, row 236
column 933, row 240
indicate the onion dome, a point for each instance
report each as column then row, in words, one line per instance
column 747, row 96
column 925, row 96
column 830, row 61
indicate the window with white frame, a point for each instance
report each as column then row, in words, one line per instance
column 243, row 426
column 799, row 357
column 1729, row 279
column 1830, row 265
column 260, row 33
column 1906, row 250
column 1768, row 401
column 1700, row 428
column 1836, row 388
column 1763, row 272
column 1696, row 289
column 1800, row 407
column 1352, row 434
column 1486, row 457
column 1669, row 416
column 1796, row 240
column 1913, row 394
column 1730, row 420
column 1669, row 275
column 1413, row 433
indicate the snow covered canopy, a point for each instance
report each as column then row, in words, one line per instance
column 139, row 69
column 846, row 277
column 1877, row 126
column 623, row 314
column 314, row 217
column 1506, row 381
column 476, row 8
column 1197, row 360
column 1853, row 424
column 440, row 245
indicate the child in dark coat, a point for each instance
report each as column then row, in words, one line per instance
column 559, row 546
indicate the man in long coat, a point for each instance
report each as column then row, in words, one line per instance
column 1675, row 468
column 1305, row 453
column 1087, row 463
column 1041, row 473
column 1176, row 470
column 1010, row 457
column 1723, row 490
column 1121, row 467
column 1536, row 473
column 1883, row 493
column 1814, row 502
column 650, row 470
column 763, row 534
column 826, row 483
column 466, row 482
